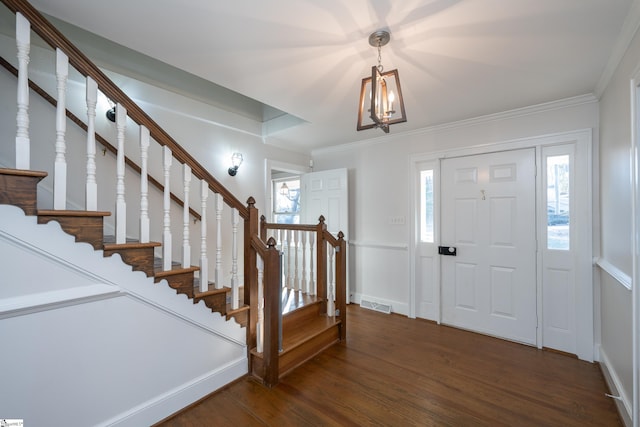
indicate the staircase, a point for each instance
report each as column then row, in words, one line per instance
column 284, row 316
column 19, row 188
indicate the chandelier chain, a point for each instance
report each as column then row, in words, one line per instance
column 380, row 67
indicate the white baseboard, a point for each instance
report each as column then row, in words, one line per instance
column 613, row 381
column 168, row 403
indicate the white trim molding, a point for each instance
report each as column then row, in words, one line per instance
column 617, row 390
column 517, row 112
column 621, row 277
column 379, row 245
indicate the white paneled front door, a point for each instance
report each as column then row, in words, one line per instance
column 488, row 214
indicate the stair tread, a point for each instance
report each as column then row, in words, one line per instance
column 211, row 291
column 23, row 172
column 307, row 331
column 71, row 213
column 241, row 308
column 175, row 269
column 293, row 300
column 291, row 341
column 110, row 244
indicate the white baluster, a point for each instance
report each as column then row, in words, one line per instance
column 121, row 205
column 331, row 306
column 23, row 43
column 186, row 246
column 91, row 191
column 312, row 260
column 288, row 273
column 204, row 261
column 260, row 322
column 218, row 271
column 166, row 225
column 303, row 243
column 235, row 286
column 144, row 184
column 278, row 235
column 296, row 276
column 60, row 163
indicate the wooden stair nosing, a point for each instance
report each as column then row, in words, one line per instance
column 72, row 213
column 114, row 247
column 159, row 273
column 23, row 172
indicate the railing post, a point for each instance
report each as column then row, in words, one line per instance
column 341, row 285
column 91, row 191
column 186, row 244
column 204, row 260
column 263, row 228
column 251, row 271
column 121, row 204
column 312, row 277
column 166, row 202
column 304, row 283
column 23, row 44
column 331, row 273
column 217, row 278
column 235, row 286
column 144, row 184
column 60, row 162
column 271, row 313
column 321, row 265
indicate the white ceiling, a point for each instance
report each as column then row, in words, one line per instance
column 457, row 59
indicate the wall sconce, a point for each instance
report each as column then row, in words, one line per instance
column 383, row 90
column 111, row 114
column 236, row 161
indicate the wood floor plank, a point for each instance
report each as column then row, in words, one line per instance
column 396, row 371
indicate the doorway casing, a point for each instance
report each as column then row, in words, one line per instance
column 583, row 263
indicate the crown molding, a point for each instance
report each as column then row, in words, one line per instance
column 517, row 112
column 628, row 31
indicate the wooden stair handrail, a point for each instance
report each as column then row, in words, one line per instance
column 54, row 38
column 324, row 237
column 99, row 138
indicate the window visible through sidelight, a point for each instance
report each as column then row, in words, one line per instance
column 426, row 206
column 558, row 202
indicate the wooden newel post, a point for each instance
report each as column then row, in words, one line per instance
column 251, row 272
column 263, row 228
column 321, row 265
column 271, row 313
column 341, row 285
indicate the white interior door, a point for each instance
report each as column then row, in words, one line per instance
column 488, row 215
column 326, row 193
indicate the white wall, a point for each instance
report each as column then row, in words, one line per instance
column 88, row 342
column 615, row 210
column 378, row 196
column 207, row 132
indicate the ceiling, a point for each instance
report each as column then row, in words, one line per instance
column 457, row 59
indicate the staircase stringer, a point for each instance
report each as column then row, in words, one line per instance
column 54, row 245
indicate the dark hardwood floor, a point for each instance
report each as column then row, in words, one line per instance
column 395, row 371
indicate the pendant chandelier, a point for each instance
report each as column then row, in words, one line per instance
column 381, row 103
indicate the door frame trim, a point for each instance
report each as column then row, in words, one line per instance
column 585, row 345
